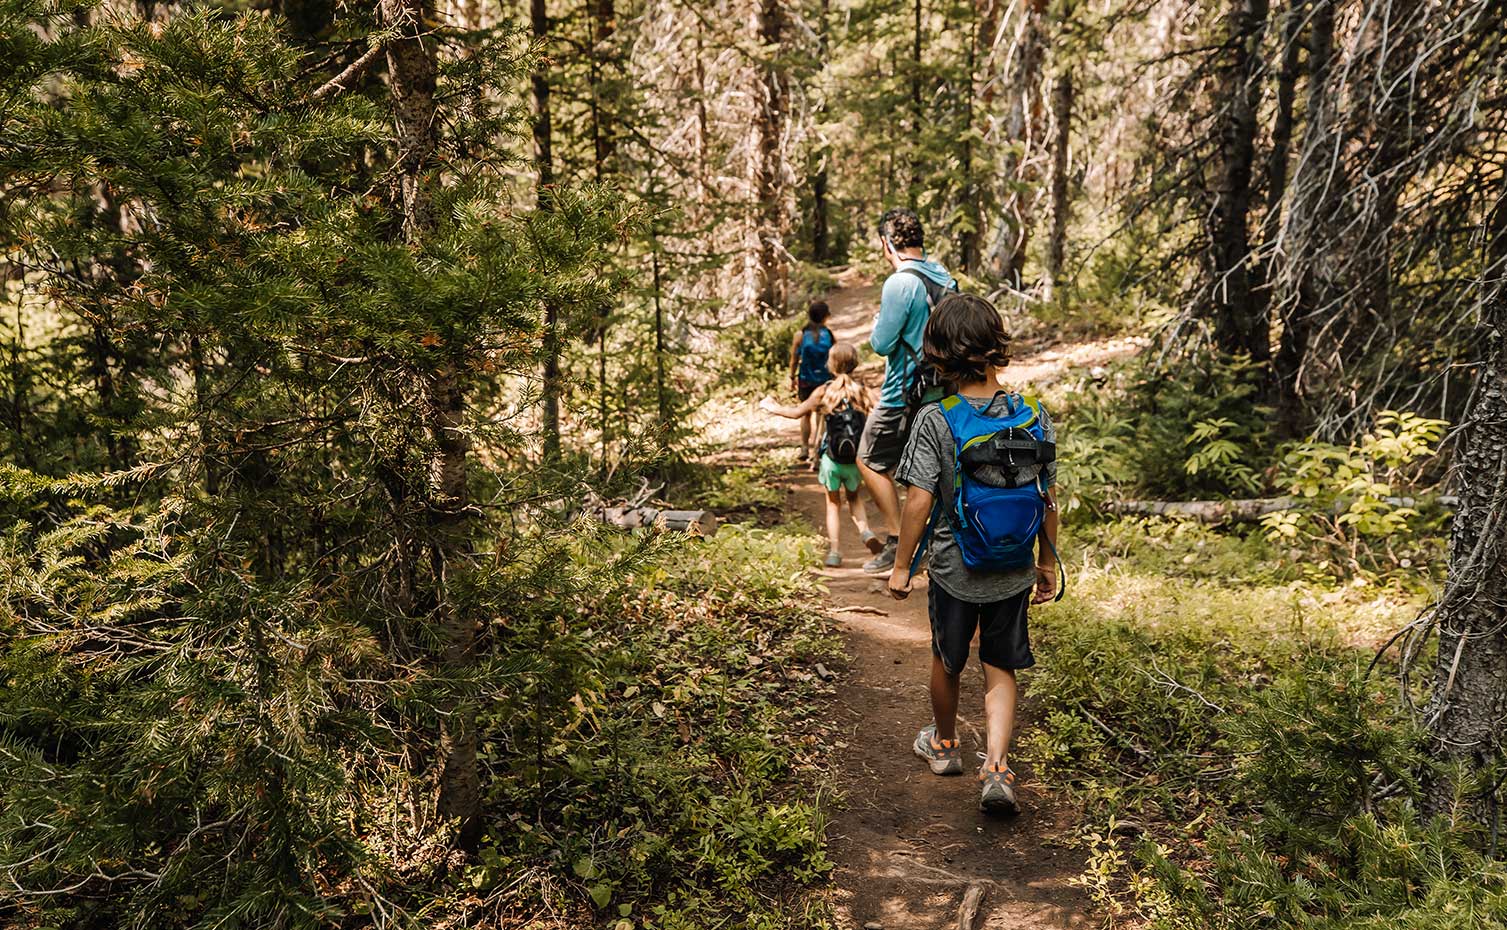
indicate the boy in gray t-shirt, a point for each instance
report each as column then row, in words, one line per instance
column 966, row 340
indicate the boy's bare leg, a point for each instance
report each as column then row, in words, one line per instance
column 858, row 510
column 944, row 700
column 999, row 711
column 834, row 520
column 886, row 498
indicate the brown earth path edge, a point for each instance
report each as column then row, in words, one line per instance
column 908, row 844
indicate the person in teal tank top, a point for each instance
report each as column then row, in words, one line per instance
column 808, row 368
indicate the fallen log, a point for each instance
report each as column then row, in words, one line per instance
column 1246, row 510
column 695, row 522
column 1206, row 511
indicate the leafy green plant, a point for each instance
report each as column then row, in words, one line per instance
column 1348, row 500
column 1237, row 766
column 1213, row 453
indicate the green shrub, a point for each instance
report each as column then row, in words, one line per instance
column 757, row 353
column 1194, row 432
column 648, row 748
column 1236, row 765
column 1348, row 502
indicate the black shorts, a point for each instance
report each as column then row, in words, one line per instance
column 1004, row 640
column 884, row 436
column 804, row 389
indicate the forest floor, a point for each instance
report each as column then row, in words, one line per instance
column 908, row 845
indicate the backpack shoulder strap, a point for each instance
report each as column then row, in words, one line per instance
column 946, row 491
column 934, row 291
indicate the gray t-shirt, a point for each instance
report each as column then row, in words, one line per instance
column 929, row 455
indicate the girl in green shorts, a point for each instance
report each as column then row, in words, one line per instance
column 837, row 477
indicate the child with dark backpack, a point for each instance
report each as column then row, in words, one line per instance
column 980, row 465
column 808, row 368
column 843, row 404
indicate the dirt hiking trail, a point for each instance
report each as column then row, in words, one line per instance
column 912, row 850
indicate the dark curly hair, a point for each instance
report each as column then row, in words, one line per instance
column 902, row 228
column 964, row 336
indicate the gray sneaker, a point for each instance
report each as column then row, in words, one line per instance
column 884, row 561
column 943, row 756
column 997, row 791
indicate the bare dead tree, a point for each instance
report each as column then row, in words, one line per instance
column 1466, row 713
column 1240, row 322
column 1062, row 120
column 1018, row 136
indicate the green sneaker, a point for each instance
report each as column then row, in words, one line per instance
column 997, row 791
column 943, row 756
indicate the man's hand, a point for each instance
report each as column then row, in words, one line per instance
column 899, row 587
column 794, row 385
column 1046, row 584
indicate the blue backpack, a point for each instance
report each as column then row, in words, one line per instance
column 997, row 498
column 814, row 349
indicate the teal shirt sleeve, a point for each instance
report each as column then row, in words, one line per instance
column 895, row 301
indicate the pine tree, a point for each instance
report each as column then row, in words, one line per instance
column 229, row 665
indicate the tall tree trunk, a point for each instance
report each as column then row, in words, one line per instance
column 1277, row 158
column 980, row 47
column 917, row 109
column 603, row 138
column 1239, row 325
column 769, row 169
column 1062, row 123
column 1468, row 704
column 411, row 65
column 1314, row 196
column 549, row 394
column 603, row 17
column 817, row 177
column 1388, row 113
column 1006, row 258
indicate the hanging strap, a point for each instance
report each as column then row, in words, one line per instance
column 931, row 521
column 1042, row 533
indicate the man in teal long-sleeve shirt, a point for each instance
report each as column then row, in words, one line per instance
column 914, row 286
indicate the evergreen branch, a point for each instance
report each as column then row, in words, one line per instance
column 352, row 71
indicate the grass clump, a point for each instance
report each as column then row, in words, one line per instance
column 646, row 765
column 1236, row 765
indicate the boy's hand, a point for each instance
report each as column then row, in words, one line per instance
column 899, row 586
column 767, row 403
column 1046, row 584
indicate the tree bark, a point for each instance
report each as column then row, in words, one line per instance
column 1467, row 709
column 1240, row 325
column 1062, row 118
column 820, row 246
column 1007, row 252
column 980, row 59
column 917, row 109
column 549, row 393
column 769, row 167
column 1314, row 197
column 1277, row 158
column 412, row 64
column 603, row 139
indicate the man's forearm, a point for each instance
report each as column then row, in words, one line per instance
column 912, row 522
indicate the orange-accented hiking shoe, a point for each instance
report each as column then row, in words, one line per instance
column 997, row 791
column 944, row 756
